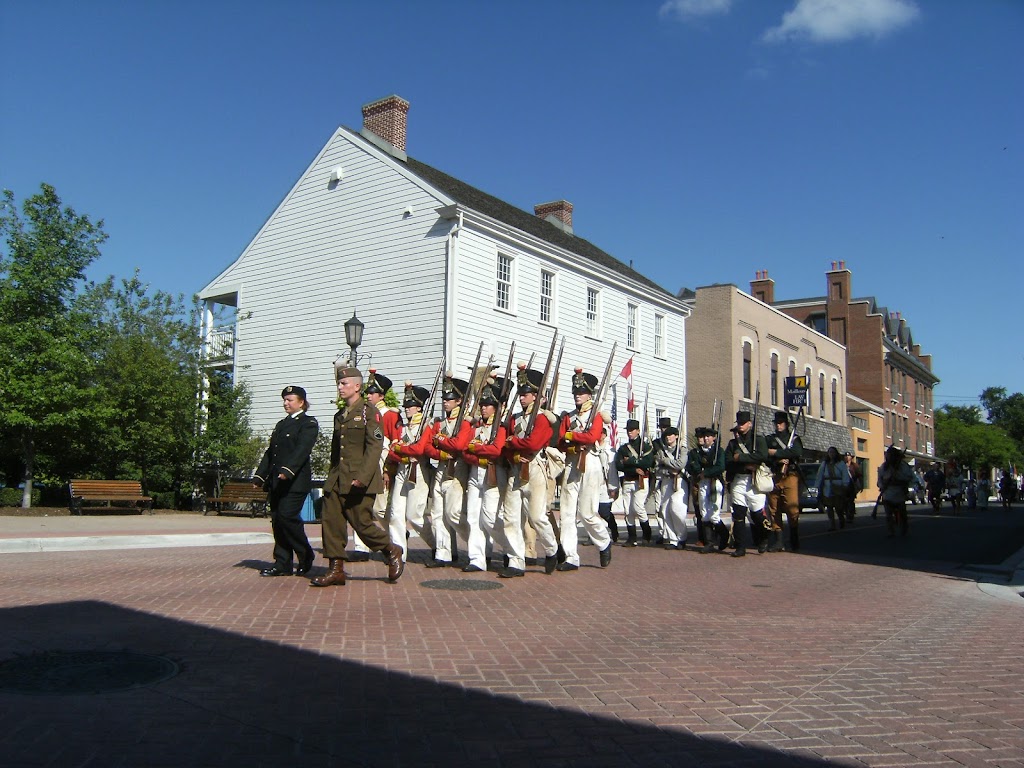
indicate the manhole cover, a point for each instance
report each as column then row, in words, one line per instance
column 63, row 672
column 461, row 585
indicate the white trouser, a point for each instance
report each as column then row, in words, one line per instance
column 674, row 497
column 581, row 493
column 742, row 493
column 446, row 500
column 634, row 500
column 482, row 501
column 408, row 505
column 710, row 495
column 530, row 499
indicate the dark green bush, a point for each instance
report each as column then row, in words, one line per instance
column 11, row 497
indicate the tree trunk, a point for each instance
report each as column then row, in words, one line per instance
column 28, row 446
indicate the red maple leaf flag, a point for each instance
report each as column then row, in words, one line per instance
column 627, row 374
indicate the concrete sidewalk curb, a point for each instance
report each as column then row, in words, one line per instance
column 87, row 543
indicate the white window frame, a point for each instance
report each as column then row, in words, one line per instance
column 508, row 283
column 593, row 316
column 660, row 343
column 552, row 318
column 632, row 326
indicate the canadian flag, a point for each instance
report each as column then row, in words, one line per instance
column 627, row 374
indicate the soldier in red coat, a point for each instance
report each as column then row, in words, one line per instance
column 488, row 476
column 526, row 491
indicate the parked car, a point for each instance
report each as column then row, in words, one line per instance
column 808, row 490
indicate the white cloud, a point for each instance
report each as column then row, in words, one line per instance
column 832, row 21
column 691, row 9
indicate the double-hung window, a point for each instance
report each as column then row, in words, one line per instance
column 632, row 319
column 659, row 335
column 593, row 312
column 503, row 297
column 547, row 296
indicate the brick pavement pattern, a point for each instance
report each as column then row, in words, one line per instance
column 769, row 660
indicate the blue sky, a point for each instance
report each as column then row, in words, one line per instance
column 702, row 140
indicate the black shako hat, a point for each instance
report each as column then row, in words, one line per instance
column 704, row 432
column 742, row 417
column 494, row 391
column 664, row 423
column 583, row 383
column 415, row 396
column 781, row 417
column 290, row 390
column 376, row 383
column 528, row 380
column 453, row 389
column 632, row 424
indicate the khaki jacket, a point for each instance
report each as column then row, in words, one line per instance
column 356, row 449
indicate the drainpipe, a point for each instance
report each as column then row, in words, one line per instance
column 448, row 341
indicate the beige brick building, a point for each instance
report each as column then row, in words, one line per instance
column 736, row 342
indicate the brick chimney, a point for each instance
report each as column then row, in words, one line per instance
column 558, row 213
column 387, row 119
column 762, row 287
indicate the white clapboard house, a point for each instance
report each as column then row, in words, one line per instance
column 431, row 266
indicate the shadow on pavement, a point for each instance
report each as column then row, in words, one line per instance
column 982, row 539
column 245, row 701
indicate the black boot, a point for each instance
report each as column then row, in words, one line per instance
column 794, row 536
column 776, row 545
column 723, row 535
column 645, row 526
column 739, row 534
column 631, row 536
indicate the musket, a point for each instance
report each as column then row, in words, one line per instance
column 465, row 410
column 511, row 390
column 503, row 396
column 643, row 436
column 428, row 406
column 681, row 440
column 792, row 438
column 552, row 391
column 543, row 383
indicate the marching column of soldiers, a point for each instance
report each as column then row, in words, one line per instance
column 484, row 476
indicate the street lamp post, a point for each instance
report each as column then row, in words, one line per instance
column 353, row 336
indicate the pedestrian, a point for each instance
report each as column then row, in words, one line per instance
column 954, row 485
column 579, row 433
column 609, row 497
column 785, row 449
column 526, row 491
column 375, row 390
column 413, row 474
column 833, row 483
column 353, row 482
column 705, row 466
column 488, row 476
column 894, row 479
column 935, row 484
column 745, row 452
column 634, row 459
column 450, row 437
column 286, row 473
column 855, row 487
column 984, row 488
column 673, row 488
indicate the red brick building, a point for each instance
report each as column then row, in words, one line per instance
column 884, row 365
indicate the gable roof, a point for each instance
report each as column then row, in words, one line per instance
column 491, row 206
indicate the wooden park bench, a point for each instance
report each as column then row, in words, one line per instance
column 239, row 494
column 108, row 491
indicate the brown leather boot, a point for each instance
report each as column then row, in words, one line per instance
column 335, row 575
column 393, row 557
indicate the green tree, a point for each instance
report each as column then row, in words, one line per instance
column 226, row 444
column 45, row 368
column 971, row 442
column 1006, row 411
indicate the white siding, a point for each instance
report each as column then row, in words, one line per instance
column 329, row 249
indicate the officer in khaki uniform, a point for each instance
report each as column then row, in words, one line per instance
column 353, row 481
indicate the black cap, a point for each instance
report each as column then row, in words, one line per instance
column 632, row 424
column 454, row 389
column 583, row 383
column 664, row 423
column 377, row 383
column 781, row 417
column 742, row 417
column 704, row 432
column 494, row 391
column 528, row 380
column 414, row 395
column 297, row 391
column 670, row 431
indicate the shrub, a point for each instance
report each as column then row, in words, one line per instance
column 11, row 497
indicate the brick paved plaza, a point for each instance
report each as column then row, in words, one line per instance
column 664, row 659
